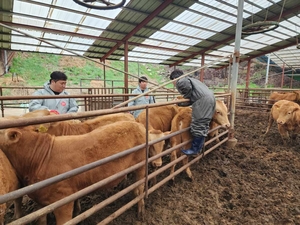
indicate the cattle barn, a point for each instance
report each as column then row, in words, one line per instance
column 243, row 177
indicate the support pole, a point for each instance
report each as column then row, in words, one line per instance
column 248, row 74
column 202, row 70
column 235, row 66
column 126, row 68
column 267, row 71
column 292, row 78
column 282, row 75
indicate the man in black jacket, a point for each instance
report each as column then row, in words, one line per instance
column 203, row 108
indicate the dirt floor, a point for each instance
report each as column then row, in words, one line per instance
column 257, row 182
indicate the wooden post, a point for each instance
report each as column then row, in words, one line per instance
column 126, row 69
column 282, row 76
column 202, row 70
column 292, row 78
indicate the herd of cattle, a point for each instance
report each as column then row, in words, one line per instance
column 34, row 153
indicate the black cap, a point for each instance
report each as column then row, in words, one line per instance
column 57, row 75
column 175, row 74
column 143, row 78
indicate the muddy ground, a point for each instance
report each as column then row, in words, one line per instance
column 257, row 182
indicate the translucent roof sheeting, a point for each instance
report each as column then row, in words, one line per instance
column 170, row 32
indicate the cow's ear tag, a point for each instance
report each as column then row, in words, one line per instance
column 42, row 129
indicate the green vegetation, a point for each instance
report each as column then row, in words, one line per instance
column 35, row 68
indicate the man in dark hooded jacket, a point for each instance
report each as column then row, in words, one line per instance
column 203, row 107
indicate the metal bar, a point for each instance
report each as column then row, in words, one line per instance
column 236, row 58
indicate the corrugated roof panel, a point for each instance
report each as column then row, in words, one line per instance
column 165, row 45
column 92, row 32
column 281, row 33
column 146, row 55
column 134, row 59
column 78, row 47
column 31, row 9
column 224, row 51
column 27, row 40
column 58, row 37
column 95, row 22
column 155, row 51
column 252, row 9
column 194, row 21
column 215, row 12
column 174, row 38
column 28, row 21
column 268, row 40
column 70, row 5
column 85, row 41
column 22, row 47
column 292, row 25
column 57, row 43
column 65, row 16
column 59, row 26
column 252, row 45
column 192, row 31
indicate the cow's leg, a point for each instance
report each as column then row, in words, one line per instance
column 64, row 213
column 153, row 181
column 188, row 170
column 18, row 208
column 140, row 174
column 214, row 134
column 270, row 122
column 173, row 157
column 77, row 208
column 284, row 134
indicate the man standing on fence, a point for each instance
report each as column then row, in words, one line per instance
column 146, row 99
column 203, row 108
column 55, row 86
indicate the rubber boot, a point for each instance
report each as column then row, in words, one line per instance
column 197, row 145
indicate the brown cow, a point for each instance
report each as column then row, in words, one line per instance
column 45, row 156
column 71, row 128
column 274, row 113
column 160, row 118
column 183, row 120
column 288, row 120
column 291, row 96
column 8, row 183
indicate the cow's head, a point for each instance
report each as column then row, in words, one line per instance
column 157, row 147
column 220, row 116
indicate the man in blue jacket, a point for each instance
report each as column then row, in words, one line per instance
column 146, row 99
column 203, row 107
column 55, row 86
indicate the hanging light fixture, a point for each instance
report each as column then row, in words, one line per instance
column 100, row 4
column 262, row 26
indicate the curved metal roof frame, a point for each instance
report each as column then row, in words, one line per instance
column 170, row 32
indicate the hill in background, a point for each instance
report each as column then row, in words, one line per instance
column 33, row 69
